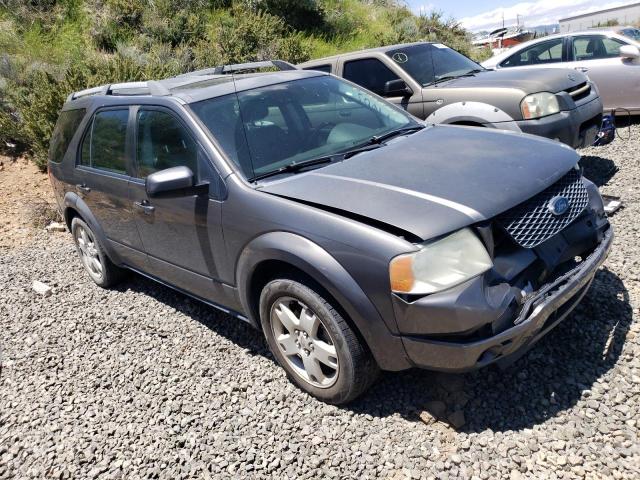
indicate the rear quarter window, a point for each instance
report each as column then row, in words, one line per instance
column 66, row 126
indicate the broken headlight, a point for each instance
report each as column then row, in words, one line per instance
column 440, row 264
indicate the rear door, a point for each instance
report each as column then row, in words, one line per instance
column 617, row 79
column 181, row 234
column 103, row 171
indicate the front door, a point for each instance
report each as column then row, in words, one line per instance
column 181, row 234
column 102, row 181
column 618, row 79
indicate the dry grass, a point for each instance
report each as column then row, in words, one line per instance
column 27, row 204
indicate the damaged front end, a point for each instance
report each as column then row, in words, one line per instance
column 545, row 252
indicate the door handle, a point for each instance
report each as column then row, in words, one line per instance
column 582, row 69
column 83, row 188
column 144, row 207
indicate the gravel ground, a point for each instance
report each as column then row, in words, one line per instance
column 141, row 382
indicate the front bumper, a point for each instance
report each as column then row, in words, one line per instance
column 541, row 312
column 577, row 127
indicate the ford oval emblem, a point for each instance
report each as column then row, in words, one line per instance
column 558, row 205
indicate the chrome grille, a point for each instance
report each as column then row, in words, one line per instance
column 531, row 222
column 579, row 91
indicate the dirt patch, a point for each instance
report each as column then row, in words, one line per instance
column 27, row 204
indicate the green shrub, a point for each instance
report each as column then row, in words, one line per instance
column 298, row 14
column 50, row 48
column 244, row 35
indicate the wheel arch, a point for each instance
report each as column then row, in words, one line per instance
column 74, row 206
column 467, row 123
column 282, row 254
column 473, row 113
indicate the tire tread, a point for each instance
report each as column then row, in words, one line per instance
column 365, row 370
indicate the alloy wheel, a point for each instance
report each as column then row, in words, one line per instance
column 305, row 342
column 89, row 252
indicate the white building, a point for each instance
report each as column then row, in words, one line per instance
column 625, row 15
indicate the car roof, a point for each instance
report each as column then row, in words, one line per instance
column 191, row 87
column 383, row 49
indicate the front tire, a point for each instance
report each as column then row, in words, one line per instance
column 94, row 259
column 311, row 340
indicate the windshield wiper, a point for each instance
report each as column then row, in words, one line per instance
column 295, row 167
column 364, row 148
column 470, row 73
column 443, row 79
column 376, row 141
column 394, row 133
column 373, row 143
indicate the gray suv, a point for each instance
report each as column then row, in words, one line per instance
column 354, row 237
column 436, row 83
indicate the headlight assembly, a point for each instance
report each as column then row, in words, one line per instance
column 439, row 265
column 539, row 105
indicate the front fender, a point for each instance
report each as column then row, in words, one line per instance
column 317, row 263
column 72, row 201
column 474, row 112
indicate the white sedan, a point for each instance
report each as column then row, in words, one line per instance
column 611, row 61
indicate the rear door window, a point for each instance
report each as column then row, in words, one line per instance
column 66, row 127
column 369, row 73
column 104, row 144
column 538, row 54
column 595, row 47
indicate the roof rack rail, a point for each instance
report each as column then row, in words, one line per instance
column 238, row 67
column 127, row 88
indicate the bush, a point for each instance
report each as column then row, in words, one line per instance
column 50, row 48
column 244, row 35
column 298, row 14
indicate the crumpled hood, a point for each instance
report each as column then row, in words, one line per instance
column 435, row 181
column 529, row 81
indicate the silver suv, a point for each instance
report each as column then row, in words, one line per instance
column 436, row 83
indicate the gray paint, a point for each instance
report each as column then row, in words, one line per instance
column 408, row 185
column 341, row 224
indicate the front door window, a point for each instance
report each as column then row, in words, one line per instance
column 163, row 142
column 538, row 54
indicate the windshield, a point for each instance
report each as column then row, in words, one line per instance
column 264, row 129
column 428, row 63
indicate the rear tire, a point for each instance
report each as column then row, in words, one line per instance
column 94, row 259
column 310, row 339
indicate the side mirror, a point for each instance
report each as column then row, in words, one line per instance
column 630, row 51
column 397, row 88
column 176, row 180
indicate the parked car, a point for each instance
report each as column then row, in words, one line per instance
column 353, row 236
column 611, row 60
column 627, row 30
column 436, row 83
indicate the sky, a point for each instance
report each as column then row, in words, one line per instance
column 487, row 14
